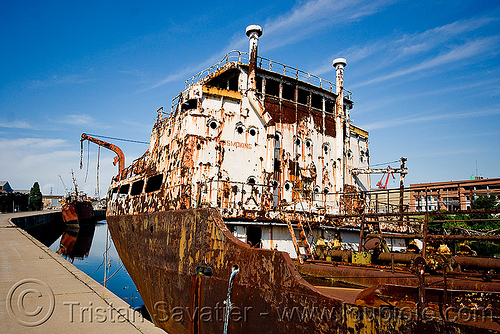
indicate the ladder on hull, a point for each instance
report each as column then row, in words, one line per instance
column 302, row 236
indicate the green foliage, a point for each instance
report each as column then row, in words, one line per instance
column 485, row 202
column 35, row 198
column 475, row 221
column 489, row 249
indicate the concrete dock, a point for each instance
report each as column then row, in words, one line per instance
column 40, row 292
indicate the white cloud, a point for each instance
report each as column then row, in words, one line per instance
column 77, row 119
column 14, row 124
column 431, row 116
column 410, row 45
column 298, row 24
column 42, row 160
column 55, row 80
column 473, row 51
column 31, row 143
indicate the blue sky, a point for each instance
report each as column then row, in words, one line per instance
column 425, row 76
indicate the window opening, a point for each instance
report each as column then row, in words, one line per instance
column 154, row 183
column 254, row 236
column 137, row 187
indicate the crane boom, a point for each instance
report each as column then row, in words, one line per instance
column 120, row 157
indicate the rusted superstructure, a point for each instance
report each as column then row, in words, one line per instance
column 230, row 222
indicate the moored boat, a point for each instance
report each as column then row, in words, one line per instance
column 220, row 222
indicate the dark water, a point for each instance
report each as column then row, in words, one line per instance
column 85, row 247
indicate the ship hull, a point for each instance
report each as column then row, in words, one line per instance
column 181, row 262
column 77, row 212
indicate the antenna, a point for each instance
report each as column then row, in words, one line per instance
column 64, row 186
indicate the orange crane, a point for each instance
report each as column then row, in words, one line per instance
column 120, row 157
column 388, row 174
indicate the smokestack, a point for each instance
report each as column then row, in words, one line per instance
column 253, row 32
column 339, row 65
column 340, row 127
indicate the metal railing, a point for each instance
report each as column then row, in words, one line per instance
column 270, row 65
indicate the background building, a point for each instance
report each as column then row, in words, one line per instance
column 452, row 195
column 11, row 200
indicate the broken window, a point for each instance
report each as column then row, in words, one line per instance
column 137, row 187
column 258, row 83
column 288, row 92
column 154, row 183
column 303, row 97
column 124, row 189
column 272, row 87
column 317, row 101
column 190, row 104
column 232, row 83
column 114, row 193
column 329, row 106
column 123, row 192
column 254, row 236
column 227, row 80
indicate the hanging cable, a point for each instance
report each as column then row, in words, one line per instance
column 384, row 163
column 88, row 161
column 114, row 138
column 120, row 267
column 81, row 154
column 98, row 159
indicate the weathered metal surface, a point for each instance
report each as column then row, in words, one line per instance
column 164, row 251
column 367, row 276
column 268, row 148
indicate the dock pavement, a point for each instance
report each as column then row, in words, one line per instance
column 41, row 292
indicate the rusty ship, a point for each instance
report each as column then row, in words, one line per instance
column 76, row 206
column 250, row 213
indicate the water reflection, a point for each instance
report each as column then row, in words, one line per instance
column 76, row 241
column 90, row 248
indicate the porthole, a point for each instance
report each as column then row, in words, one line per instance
column 298, row 141
column 317, row 190
column 275, row 184
column 252, row 131
column 326, row 190
column 326, row 148
column 240, row 128
column 309, row 143
column 288, row 186
column 213, row 124
column 251, row 180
